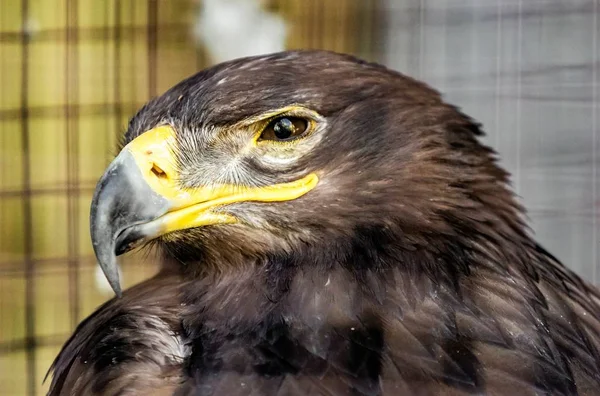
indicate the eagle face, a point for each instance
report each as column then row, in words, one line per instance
column 283, row 153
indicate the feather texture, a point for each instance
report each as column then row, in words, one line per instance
column 408, row 271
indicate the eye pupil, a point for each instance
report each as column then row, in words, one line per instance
column 284, row 128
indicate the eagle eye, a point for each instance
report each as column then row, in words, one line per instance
column 284, row 129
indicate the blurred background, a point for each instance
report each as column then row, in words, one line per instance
column 73, row 71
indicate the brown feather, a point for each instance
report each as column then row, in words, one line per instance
column 408, row 270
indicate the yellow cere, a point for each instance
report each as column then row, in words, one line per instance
column 153, row 154
column 192, row 207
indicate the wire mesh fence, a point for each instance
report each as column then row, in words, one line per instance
column 73, row 71
column 528, row 70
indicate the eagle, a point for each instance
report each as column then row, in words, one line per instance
column 326, row 226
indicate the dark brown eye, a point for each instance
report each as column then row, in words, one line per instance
column 284, row 129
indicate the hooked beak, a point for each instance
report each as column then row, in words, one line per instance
column 139, row 199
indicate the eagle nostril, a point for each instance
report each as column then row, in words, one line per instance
column 158, row 172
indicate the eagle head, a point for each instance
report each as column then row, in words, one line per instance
column 305, row 153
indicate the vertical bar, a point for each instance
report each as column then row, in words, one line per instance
column 202, row 56
column 443, row 76
column 365, row 41
column 30, row 342
column 518, row 104
column 117, row 72
column 415, row 38
column 422, row 11
column 379, row 28
column 316, row 29
column 475, row 69
column 348, row 14
column 132, row 37
column 595, row 65
column 498, row 72
column 106, row 55
column 152, row 44
column 72, row 142
column 340, row 17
